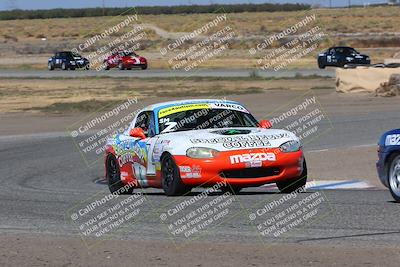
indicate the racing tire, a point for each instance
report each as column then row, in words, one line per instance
column 171, row 180
column 234, row 190
column 394, row 176
column 87, row 67
column 121, row 66
column 321, row 66
column 113, row 175
column 292, row 185
column 50, row 66
column 144, row 67
column 63, row 66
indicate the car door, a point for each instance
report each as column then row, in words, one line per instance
column 56, row 60
column 113, row 60
column 145, row 120
column 331, row 57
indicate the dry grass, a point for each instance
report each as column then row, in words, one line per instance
column 61, row 95
column 23, row 37
column 364, row 20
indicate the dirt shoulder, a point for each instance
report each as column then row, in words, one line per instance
column 30, row 250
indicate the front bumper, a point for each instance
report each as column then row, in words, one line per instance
column 247, row 173
column 132, row 64
column 381, row 168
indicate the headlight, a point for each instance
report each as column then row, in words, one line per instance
column 349, row 58
column 290, row 146
column 201, row 152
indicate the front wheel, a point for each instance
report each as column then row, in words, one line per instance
column 171, row 179
column 113, row 174
column 292, row 185
column 63, row 66
column 50, row 66
column 144, row 67
column 394, row 177
column 121, row 66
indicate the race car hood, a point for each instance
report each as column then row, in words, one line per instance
column 225, row 139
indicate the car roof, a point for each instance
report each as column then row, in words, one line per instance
column 186, row 101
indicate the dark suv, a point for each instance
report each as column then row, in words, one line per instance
column 340, row 56
column 67, row 60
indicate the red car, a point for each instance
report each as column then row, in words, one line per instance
column 125, row 60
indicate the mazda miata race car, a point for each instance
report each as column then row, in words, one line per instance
column 388, row 164
column 200, row 143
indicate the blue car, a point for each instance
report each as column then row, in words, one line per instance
column 340, row 56
column 388, row 164
column 67, row 60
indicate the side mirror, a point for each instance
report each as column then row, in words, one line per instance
column 137, row 133
column 265, row 124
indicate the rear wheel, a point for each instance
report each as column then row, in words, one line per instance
column 292, row 185
column 171, row 179
column 144, row 67
column 121, row 66
column 114, row 176
column 394, row 177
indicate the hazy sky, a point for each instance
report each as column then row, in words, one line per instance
column 48, row 4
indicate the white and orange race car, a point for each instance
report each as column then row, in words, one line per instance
column 200, row 143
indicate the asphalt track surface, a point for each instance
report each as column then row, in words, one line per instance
column 163, row 73
column 43, row 177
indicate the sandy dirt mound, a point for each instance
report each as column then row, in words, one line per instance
column 365, row 79
column 390, row 88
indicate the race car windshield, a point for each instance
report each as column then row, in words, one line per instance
column 346, row 51
column 205, row 119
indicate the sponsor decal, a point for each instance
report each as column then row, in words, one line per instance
column 124, row 175
column 231, row 106
column 392, row 140
column 252, row 158
column 134, row 147
column 125, row 158
column 240, row 138
column 185, row 168
column 175, row 109
column 246, row 143
column 190, row 172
